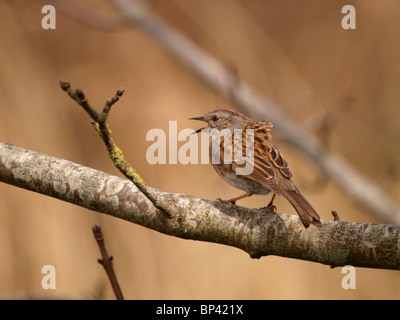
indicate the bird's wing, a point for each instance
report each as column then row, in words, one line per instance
column 267, row 161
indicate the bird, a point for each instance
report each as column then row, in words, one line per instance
column 269, row 170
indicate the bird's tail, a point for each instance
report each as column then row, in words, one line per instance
column 306, row 212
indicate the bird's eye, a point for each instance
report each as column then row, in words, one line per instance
column 215, row 118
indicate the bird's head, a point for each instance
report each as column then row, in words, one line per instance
column 223, row 119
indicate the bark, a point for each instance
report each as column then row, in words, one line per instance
column 259, row 232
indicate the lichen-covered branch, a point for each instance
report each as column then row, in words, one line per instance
column 259, row 232
column 99, row 120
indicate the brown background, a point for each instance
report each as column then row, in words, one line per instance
column 295, row 52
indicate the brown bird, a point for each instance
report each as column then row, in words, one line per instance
column 269, row 171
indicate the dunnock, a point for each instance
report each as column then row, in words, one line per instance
column 269, row 170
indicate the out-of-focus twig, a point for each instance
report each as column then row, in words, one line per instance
column 107, row 262
column 358, row 187
column 324, row 123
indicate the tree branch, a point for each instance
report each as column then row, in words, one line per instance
column 102, row 129
column 107, row 262
column 259, row 232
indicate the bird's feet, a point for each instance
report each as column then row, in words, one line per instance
column 229, row 201
column 271, row 206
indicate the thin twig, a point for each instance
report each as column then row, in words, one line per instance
column 335, row 216
column 99, row 121
column 107, row 262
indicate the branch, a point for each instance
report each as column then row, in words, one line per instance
column 259, row 232
column 359, row 188
column 107, row 262
column 102, row 129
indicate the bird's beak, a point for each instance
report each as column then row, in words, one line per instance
column 200, row 119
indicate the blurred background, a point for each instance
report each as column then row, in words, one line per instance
column 294, row 52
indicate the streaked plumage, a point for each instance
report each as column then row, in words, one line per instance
column 270, row 169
